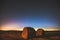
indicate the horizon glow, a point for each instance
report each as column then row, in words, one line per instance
column 45, row 24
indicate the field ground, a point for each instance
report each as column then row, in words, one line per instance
column 16, row 35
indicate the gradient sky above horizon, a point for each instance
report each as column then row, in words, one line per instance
column 36, row 14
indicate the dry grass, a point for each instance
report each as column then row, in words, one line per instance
column 12, row 35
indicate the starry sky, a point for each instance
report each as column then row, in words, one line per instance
column 36, row 14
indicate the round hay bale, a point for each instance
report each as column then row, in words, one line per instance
column 39, row 32
column 28, row 32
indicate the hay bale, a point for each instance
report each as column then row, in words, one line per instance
column 39, row 32
column 28, row 32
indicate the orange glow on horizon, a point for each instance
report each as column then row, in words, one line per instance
column 20, row 29
column 10, row 26
column 14, row 26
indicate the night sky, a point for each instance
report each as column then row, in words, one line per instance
column 36, row 14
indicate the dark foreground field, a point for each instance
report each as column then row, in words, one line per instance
column 16, row 35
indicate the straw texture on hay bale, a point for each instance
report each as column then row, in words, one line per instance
column 28, row 32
